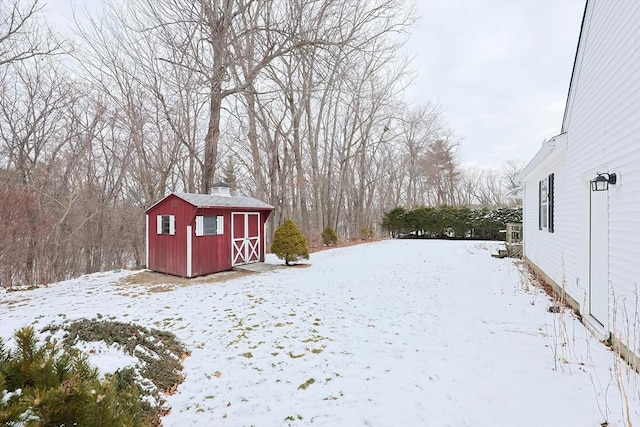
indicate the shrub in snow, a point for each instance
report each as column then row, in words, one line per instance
column 289, row 243
column 329, row 236
column 450, row 221
column 159, row 354
column 366, row 232
column 395, row 221
column 42, row 385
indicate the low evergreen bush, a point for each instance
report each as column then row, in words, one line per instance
column 159, row 351
column 366, row 232
column 289, row 243
column 329, row 236
column 159, row 354
column 41, row 385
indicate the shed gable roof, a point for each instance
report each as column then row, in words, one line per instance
column 212, row 201
column 215, row 201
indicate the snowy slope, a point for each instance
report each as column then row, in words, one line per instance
column 390, row 333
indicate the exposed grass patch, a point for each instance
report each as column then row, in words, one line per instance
column 152, row 279
column 314, row 338
column 292, row 418
column 240, row 337
column 248, row 355
column 295, row 356
column 305, row 385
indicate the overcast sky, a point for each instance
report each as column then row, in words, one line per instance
column 499, row 70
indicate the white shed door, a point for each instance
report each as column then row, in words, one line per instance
column 245, row 237
column 598, row 258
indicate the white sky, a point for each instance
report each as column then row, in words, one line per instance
column 499, row 70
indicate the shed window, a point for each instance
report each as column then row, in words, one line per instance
column 546, row 202
column 209, row 225
column 167, row 224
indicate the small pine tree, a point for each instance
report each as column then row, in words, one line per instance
column 329, row 236
column 289, row 243
column 55, row 388
column 229, row 175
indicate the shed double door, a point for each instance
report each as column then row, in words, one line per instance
column 245, row 237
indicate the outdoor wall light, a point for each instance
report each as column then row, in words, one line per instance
column 602, row 181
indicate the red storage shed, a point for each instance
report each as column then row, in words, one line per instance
column 192, row 235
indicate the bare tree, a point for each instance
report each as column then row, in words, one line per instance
column 32, row 138
column 420, row 128
column 510, row 171
column 23, row 34
column 487, row 187
column 154, row 117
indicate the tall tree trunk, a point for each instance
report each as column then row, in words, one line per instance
column 211, row 139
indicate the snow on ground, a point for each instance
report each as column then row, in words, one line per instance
column 408, row 332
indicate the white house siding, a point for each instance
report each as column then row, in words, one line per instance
column 602, row 124
column 551, row 252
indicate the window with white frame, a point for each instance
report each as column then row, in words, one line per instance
column 209, row 225
column 546, row 202
column 166, row 224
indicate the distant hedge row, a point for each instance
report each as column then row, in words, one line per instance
column 449, row 221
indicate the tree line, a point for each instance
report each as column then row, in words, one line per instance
column 300, row 103
column 451, row 221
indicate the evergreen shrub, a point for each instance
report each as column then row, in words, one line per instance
column 289, row 243
column 41, row 385
column 329, row 236
column 447, row 221
column 366, row 232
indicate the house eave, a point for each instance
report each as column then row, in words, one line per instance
column 514, row 194
column 550, row 149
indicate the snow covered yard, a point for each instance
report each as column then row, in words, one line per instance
column 408, row 332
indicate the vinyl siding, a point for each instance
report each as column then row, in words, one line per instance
column 602, row 123
column 552, row 252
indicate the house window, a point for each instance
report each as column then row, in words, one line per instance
column 209, row 225
column 166, row 224
column 546, row 203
